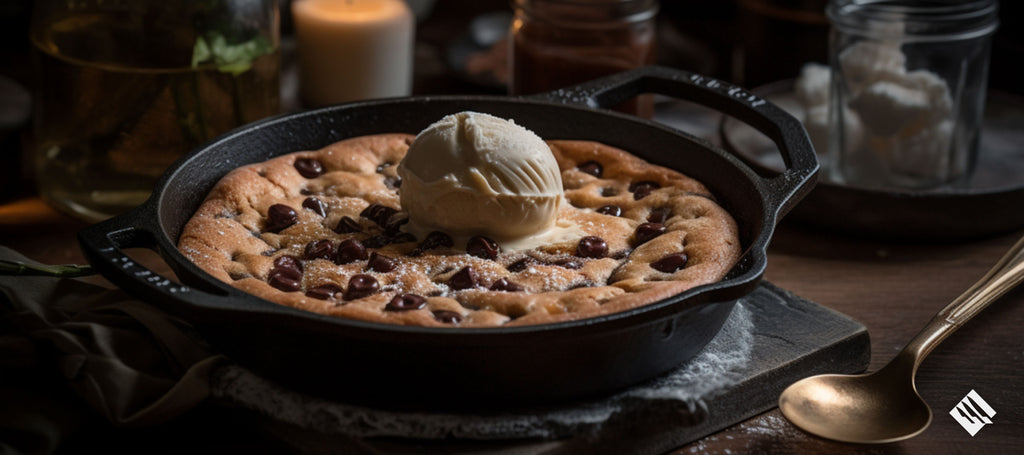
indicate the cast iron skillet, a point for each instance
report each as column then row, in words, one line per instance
column 459, row 369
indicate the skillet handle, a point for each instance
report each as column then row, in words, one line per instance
column 103, row 245
column 782, row 128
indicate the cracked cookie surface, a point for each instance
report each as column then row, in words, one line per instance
column 322, row 231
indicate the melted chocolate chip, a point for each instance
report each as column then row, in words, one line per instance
column 640, row 190
column 570, row 264
column 670, row 263
column 360, row 286
column 592, row 247
column 612, row 210
column 435, row 239
column 482, row 247
column 309, row 167
column 377, row 241
column 406, row 302
column 520, row 265
column 447, row 317
column 316, row 205
column 659, row 215
column 347, row 225
column 280, row 216
column 324, row 291
column 464, row 279
column 381, row 263
column 319, row 249
column 646, row 232
column 609, row 191
column 383, row 166
column 378, row 214
column 394, row 224
column 283, row 282
column 350, row 250
column 506, row 285
column 291, row 273
column 393, row 183
column 591, row 167
column 289, row 262
column 403, row 237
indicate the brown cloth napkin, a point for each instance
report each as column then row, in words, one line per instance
column 130, row 362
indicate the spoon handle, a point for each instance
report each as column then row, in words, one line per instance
column 1002, row 277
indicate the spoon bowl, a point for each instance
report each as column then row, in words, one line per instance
column 867, row 408
column 884, row 406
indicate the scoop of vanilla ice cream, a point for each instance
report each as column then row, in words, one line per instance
column 476, row 174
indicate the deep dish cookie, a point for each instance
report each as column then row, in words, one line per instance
column 322, row 231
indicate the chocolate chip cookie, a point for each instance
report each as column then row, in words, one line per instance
column 322, row 231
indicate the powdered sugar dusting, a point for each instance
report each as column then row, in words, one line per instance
column 711, row 372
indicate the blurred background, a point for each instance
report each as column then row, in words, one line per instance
column 747, row 42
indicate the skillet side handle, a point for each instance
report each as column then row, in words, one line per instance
column 103, row 245
column 782, row 128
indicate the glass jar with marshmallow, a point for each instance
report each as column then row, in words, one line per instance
column 909, row 80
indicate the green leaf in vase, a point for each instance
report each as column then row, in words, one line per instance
column 234, row 59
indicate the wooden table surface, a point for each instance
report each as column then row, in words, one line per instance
column 892, row 288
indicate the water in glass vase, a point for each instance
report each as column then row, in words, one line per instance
column 118, row 101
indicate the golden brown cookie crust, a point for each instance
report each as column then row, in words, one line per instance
column 228, row 237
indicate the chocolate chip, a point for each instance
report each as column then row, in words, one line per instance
column 309, row 167
column 521, row 265
column 435, row 239
column 609, row 191
column 612, row 210
column 403, row 237
column 319, row 249
column 350, row 250
column 393, row 183
column 670, row 263
column 347, row 225
column 640, row 190
column 360, row 286
column 394, row 224
column 464, row 279
column 324, row 291
column 381, row 263
column 289, row 262
column 406, row 302
column 591, row 167
column 659, row 215
column 447, row 317
column 570, row 264
column 286, row 274
column 506, row 285
column 280, row 216
column 283, row 282
column 482, row 247
column 383, row 166
column 591, row 247
column 646, row 232
column 378, row 214
column 316, row 205
column 377, row 241
column 291, row 273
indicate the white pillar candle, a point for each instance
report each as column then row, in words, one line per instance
column 353, row 49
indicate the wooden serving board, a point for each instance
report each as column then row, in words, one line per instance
column 784, row 338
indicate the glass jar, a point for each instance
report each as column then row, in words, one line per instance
column 909, row 81
column 125, row 87
column 559, row 43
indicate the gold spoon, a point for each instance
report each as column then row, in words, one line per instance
column 884, row 406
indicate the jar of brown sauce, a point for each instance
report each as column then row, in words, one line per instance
column 560, row 43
